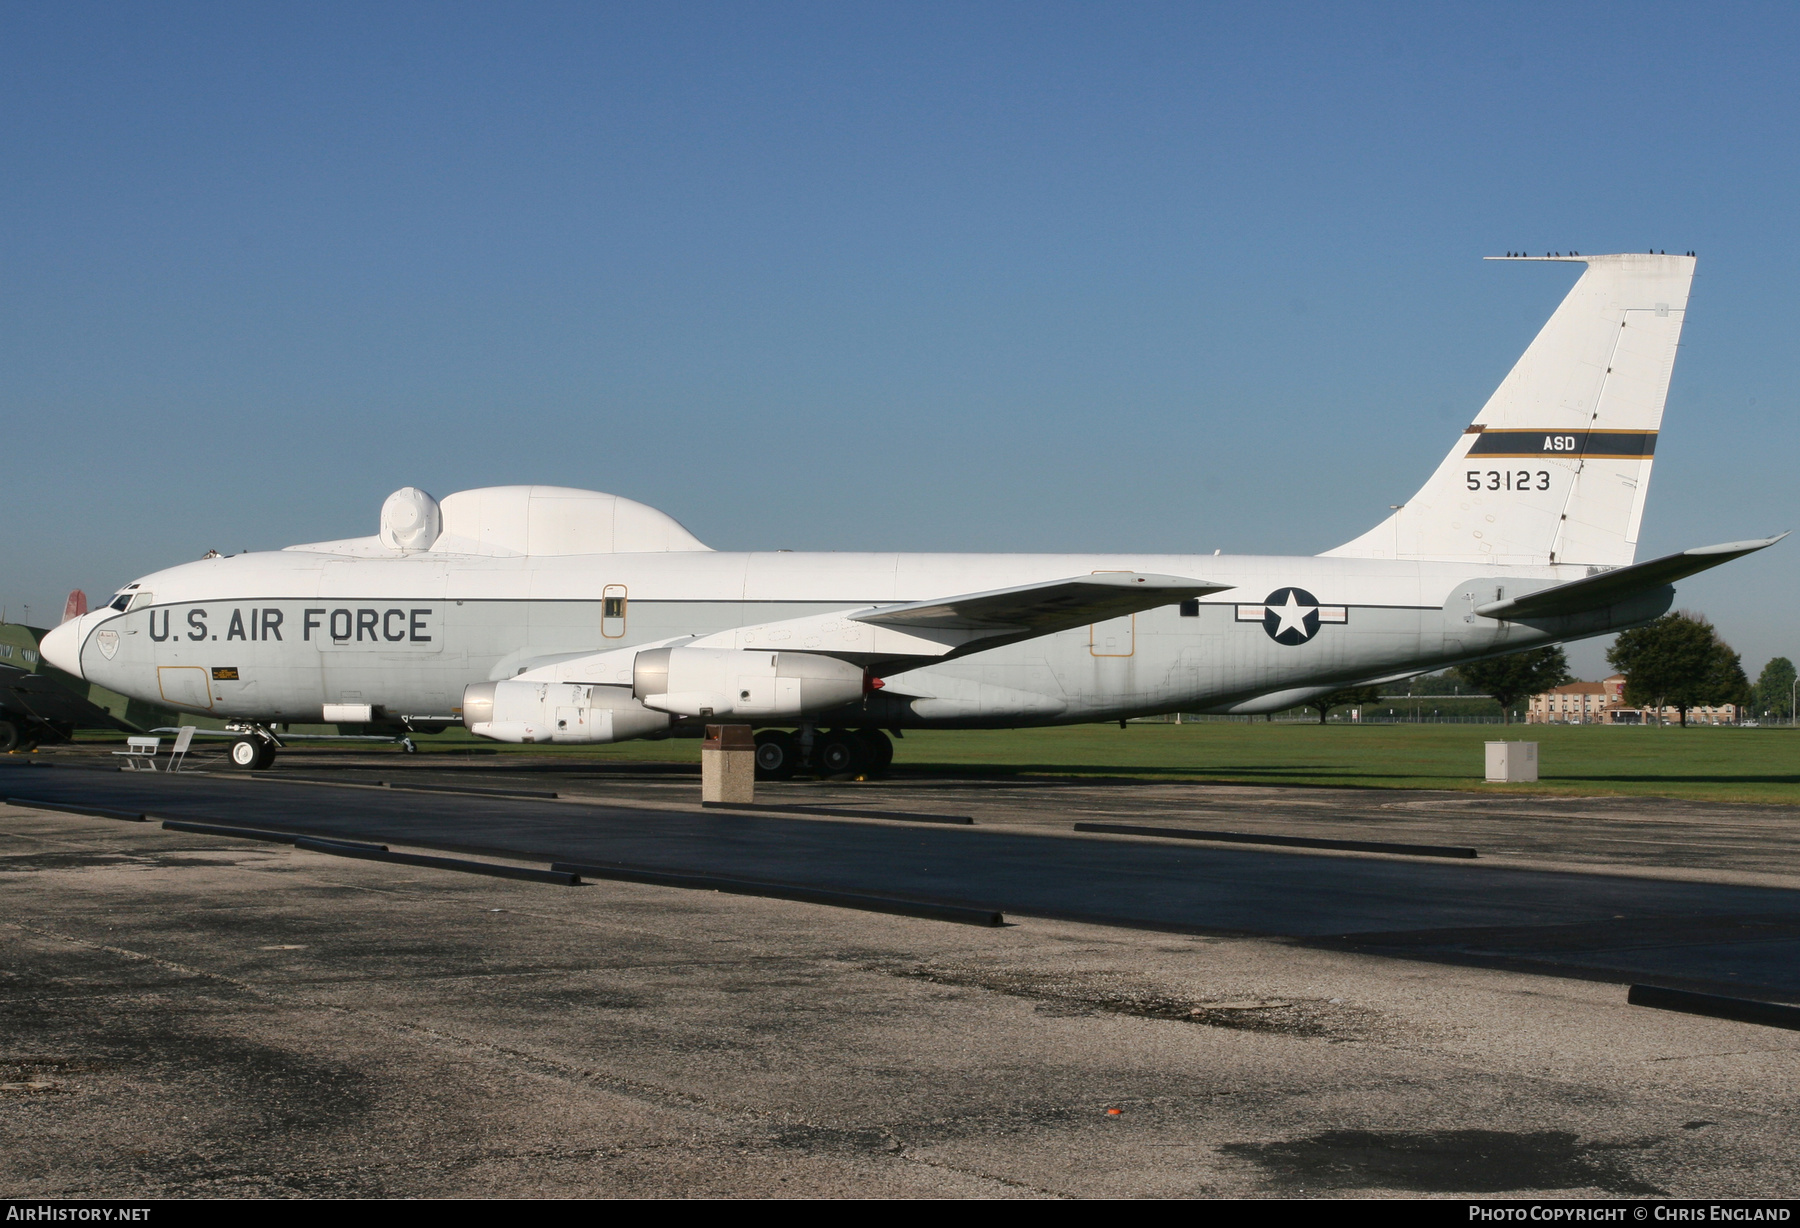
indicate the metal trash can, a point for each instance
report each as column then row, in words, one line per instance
column 728, row 764
column 1511, row 762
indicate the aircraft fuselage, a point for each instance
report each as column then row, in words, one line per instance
column 273, row 637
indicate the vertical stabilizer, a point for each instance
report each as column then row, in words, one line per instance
column 1555, row 467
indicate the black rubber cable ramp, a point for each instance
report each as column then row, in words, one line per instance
column 958, row 913
column 470, row 789
column 392, row 787
column 258, row 833
column 1301, row 842
column 99, row 812
column 274, row 837
column 1744, row 1010
column 836, row 812
column 560, row 876
column 220, row 829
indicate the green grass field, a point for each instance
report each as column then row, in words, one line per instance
column 1710, row 764
column 1746, row 765
column 1706, row 764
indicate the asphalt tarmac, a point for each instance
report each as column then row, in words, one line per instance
column 190, row 1014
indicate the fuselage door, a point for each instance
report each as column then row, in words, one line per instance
column 185, row 686
column 612, row 611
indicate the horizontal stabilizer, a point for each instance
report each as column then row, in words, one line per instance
column 1609, row 587
column 1042, row 609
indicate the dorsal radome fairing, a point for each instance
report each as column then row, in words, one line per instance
column 555, row 520
column 514, row 521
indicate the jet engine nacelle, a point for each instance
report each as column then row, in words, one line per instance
column 721, row 682
column 557, row 712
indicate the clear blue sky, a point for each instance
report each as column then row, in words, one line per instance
column 838, row 276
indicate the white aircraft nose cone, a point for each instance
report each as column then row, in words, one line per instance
column 61, row 646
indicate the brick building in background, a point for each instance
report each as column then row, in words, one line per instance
column 1603, row 703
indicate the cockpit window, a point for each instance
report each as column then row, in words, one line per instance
column 140, row 599
column 120, row 602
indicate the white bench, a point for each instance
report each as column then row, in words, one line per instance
column 140, row 754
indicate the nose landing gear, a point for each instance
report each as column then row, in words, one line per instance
column 253, row 752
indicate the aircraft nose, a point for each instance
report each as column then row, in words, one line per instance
column 61, row 646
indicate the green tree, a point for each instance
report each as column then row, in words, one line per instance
column 1348, row 695
column 1678, row 661
column 1447, row 683
column 1727, row 683
column 1775, row 689
column 1517, row 675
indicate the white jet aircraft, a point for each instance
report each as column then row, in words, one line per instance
column 545, row 614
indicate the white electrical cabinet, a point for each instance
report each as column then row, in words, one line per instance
column 1508, row 762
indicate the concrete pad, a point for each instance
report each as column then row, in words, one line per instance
column 188, row 1015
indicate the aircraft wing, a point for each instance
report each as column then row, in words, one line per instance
column 1594, row 592
column 1042, row 609
column 878, row 636
column 955, row 626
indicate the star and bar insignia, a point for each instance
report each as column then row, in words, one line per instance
column 1292, row 616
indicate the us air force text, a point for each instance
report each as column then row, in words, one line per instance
column 344, row 625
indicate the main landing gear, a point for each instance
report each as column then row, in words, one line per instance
column 13, row 738
column 837, row 754
column 23, row 733
column 777, row 757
